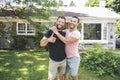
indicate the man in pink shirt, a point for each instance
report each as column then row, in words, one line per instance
column 71, row 41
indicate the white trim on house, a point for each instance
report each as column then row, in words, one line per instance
column 103, row 34
column 94, row 41
column 25, row 29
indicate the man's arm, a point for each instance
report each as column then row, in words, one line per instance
column 67, row 40
column 44, row 41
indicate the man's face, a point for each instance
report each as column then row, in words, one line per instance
column 60, row 23
column 73, row 23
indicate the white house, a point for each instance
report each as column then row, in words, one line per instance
column 98, row 24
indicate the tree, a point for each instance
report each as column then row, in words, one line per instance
column 30, row 8
column 38, row 9
column 114, row 4
column 92, row 3
column 60, row 3
column 118, row 27
column 72, row 3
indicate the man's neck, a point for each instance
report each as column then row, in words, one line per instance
column 59, row 29
column 73, row 29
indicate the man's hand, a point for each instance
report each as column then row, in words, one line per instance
column 51, row 39
column 54, row 29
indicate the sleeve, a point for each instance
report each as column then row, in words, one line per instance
column 48, row 33
column 76, row 34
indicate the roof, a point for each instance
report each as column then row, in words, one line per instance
column 67, row 13
column 98, row 12
column 84, row 12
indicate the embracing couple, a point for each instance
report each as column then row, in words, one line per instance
column 63, row 49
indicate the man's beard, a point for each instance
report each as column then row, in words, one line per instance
column 58, row 27
column 73, row 27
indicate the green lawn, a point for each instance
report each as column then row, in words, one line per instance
column 33, row 65
column 117, row 50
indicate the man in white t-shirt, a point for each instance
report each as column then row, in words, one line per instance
column 71, row 41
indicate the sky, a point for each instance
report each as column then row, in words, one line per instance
column 77, row 2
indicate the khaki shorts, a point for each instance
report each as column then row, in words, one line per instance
column 55, row 67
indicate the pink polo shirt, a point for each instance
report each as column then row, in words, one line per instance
column 72, row 49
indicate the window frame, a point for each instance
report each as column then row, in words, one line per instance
column 26, row 29
column 103, row 26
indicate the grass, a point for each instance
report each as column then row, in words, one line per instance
column 33, row 65
column 117, row 50
column 26, row 65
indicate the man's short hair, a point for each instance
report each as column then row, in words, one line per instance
column 76, row 18
column 62, row 17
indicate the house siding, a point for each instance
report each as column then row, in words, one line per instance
column 111, row 35
column 14, row 29
column 1, row 25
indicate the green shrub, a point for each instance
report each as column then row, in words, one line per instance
column 101, row 61
column 19, row 43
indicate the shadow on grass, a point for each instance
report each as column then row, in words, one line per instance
column 24, row 65
column 33, row 65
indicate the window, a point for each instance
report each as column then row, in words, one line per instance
column 92, row 31
column 25, row 29
column 30, row 28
